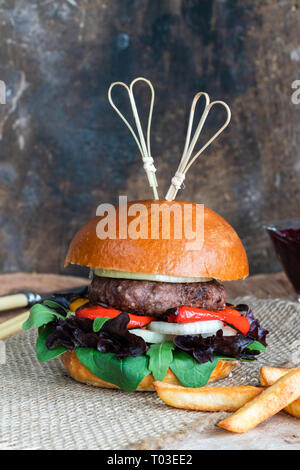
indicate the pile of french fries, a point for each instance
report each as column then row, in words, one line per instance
column 280, row 390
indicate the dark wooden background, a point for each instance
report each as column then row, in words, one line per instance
column 63, row 150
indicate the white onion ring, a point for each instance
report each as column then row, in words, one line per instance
column 149, row 336
column 192, row 328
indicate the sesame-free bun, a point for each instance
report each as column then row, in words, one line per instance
column 80, row 373
column 220, row 256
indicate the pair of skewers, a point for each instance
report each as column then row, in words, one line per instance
column 187, row 158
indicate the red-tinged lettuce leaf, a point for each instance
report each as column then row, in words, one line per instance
column 43, row 353
column 256, row 332
column 233, row 346
column 73, row 332
column 205, row 349
column 202, row 349
column 114, row 337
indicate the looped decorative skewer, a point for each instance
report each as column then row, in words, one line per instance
column 144, row 147
column 187, row 160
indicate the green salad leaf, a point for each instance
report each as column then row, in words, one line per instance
column 39, row 315
column 86, row 357
column 98, row 323
column 160, row 358
column 257, row 346
column 126, row 373
column 43, row 353
column 44, row 313
column 52, row 304
column 190, row 372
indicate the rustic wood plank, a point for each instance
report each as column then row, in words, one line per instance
column 262, row 286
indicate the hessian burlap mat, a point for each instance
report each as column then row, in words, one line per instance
column 43, row 408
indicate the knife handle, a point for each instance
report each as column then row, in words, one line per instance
column 10, row 302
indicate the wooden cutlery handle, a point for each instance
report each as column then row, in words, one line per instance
column 13, row 325
column 9, row 302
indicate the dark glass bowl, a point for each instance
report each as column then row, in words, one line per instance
column 285, row 236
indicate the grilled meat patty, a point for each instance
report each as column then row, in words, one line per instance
column 154, row 298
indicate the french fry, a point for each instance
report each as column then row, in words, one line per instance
column 206, row 398
column 268, row 376
column 294, row 409
column 273, row 399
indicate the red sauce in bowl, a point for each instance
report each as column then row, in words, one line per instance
column 287, row 245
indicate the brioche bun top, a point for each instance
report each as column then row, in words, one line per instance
column 216, row 253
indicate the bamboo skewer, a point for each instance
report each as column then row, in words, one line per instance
column 187, row 160
column 144, row 148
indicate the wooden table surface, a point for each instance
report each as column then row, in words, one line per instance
column 276, row 433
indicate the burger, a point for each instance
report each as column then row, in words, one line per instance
column 156, row 308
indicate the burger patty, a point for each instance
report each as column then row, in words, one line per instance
column 154, row 298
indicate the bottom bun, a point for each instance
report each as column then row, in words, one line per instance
column 79, row 372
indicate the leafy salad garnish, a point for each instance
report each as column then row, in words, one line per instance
column 108, row 349
column 190, row 372
column 205, row 349
column 42, row 351
column 114, row 337
column 126, row 373
column 160, row 358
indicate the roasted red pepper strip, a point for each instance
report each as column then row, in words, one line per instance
column 96, row 311
column 229, row 315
